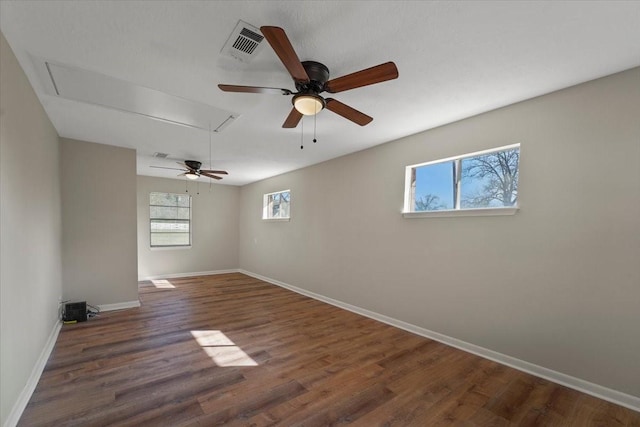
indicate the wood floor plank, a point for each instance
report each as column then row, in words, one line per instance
column 236, row 351
column 510, row 399
column 243, row 404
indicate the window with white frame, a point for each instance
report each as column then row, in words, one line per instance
column 170, row 220
column 482, row 180
column 276, row 205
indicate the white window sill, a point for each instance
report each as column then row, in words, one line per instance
column 462, row 212
column 275, row 219
column 169, row 248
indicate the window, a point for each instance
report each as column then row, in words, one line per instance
column 170, row 219
column 485, row 180
column 276, row 205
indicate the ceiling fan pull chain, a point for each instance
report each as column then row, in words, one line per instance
column 315, row 119
column 186, row 185
column 302, row 133
column 210, row 163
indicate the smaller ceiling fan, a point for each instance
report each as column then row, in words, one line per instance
column 192, row 170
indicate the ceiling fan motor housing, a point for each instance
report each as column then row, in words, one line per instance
column 307, row 100
column 193, row 164
column 318, row 75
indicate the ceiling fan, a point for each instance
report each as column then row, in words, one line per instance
column 192, row 170
column 312, row 78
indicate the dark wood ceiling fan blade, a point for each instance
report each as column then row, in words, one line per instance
column 379, row 73
column 281, row 45
column 255, row 89
column 162, row 167
column 348, row 112
column 292, row 119
column 216, row 172
column 208, row 175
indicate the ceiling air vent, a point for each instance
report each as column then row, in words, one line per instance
column 244, row 42
column 160, row 155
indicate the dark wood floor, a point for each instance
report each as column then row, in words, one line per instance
column 234, row 350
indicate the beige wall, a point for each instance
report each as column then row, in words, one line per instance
column 214, row 229
column 99, row 256
column 30, row 229
column 556, row 285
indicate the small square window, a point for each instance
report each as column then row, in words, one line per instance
column 276, row 205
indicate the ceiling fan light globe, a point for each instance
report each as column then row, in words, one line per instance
column 309, row 105
column 191, row 175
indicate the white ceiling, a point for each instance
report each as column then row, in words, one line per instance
column 455, row 60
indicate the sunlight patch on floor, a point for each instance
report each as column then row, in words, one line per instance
column 221, row 349
column 163, row 284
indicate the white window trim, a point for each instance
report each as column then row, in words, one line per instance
column 463, row 212
column 408, row 213
column 265, row 206
column 170, row 248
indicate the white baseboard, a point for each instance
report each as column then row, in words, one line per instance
column 601, row 392
column 197, row 273
column 119, row 305
column 32, row 382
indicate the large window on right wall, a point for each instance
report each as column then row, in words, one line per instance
column 484, row 182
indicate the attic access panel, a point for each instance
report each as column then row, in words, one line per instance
column 97, row 89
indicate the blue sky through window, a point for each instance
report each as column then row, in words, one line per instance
column 488, row 179
column 436, row 180
column 470, row 187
